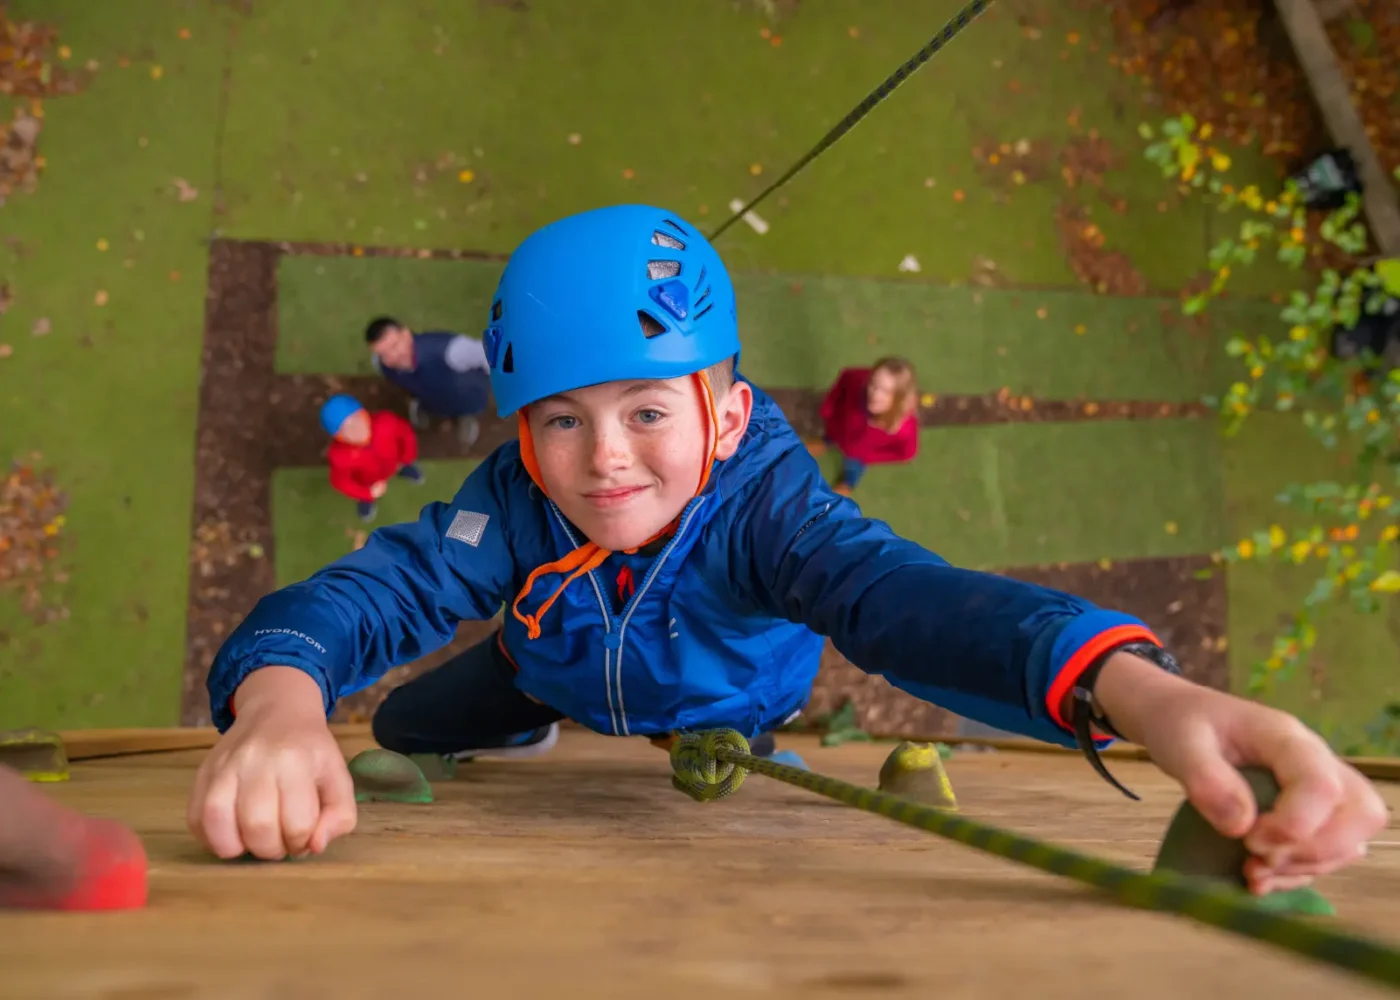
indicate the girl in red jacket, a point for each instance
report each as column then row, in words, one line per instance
column 871, row 416
column 366, row 450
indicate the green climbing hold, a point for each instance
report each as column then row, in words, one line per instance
column 1304, row 902
column 385, row 776
column 435, row 767
column 1193, row 847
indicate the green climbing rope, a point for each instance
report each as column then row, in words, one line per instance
column 969, row 13
column 711, row 765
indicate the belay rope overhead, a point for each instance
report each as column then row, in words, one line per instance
column 960, row 20
column 711, row 765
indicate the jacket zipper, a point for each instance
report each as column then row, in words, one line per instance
column 607, row 625
column 630, row 606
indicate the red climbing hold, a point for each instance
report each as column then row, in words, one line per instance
column 53, row 858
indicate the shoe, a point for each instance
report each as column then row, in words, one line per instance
column 531, row 744
column 413, row 474
column 763, row 745
column 367, row 511
column 790, row 758
column 468, row 430
column 766, row 746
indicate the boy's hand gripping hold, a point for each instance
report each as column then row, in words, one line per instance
column 1326, row 810
column 276, row 784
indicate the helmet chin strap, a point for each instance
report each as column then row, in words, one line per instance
column 590, row 556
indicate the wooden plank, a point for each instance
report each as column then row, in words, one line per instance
column 1375, row 768
column 91, row 744
column 1333, row 95
column 584, row 873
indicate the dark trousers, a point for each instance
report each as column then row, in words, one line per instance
column 470, row 703
column 851, row 469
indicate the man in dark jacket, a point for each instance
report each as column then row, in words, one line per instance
column 445, row 374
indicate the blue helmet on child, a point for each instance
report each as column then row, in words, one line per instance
column 336, row 410
column 624, row 292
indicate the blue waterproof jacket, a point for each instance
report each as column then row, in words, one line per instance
column 724, row 628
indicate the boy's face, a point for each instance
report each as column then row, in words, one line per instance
column 355, row 430
column 622, row 459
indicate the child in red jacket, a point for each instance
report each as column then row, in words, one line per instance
column 367, row 449
column 871, row 416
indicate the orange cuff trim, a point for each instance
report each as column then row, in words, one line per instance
column 1084, row 657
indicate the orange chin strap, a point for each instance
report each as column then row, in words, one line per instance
column 589, row 556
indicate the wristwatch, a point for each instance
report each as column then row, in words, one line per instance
column 1086, row 711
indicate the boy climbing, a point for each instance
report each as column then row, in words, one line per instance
column 871, row 415
column 367, row 449
column 644, row 457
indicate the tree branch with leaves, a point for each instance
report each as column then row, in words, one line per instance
column 1350, row 538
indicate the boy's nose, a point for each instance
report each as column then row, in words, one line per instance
column 610, row 453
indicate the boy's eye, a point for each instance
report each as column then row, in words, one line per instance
column 563, row 422
column 649, row 416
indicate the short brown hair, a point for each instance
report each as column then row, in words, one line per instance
column 721, row 376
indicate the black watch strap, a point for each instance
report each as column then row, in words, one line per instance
column 1085, row 711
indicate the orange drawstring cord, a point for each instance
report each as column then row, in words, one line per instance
column 588, row 557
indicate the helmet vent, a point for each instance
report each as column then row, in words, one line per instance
column 666, row 240
column 496, row 311
column 508, row 362
column 651, row 327
column 677, row 227
column 658, row 269
column 697, row 315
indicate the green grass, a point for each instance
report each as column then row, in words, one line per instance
column 1352, row 672
column 800, row 330
column 688, row 103
column 314, row 525
column 109, row 395
column 1012, row 495
column 324, row 304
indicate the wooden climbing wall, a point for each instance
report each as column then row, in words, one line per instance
column 583, row 873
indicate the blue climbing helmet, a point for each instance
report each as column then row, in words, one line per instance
column 623, row 292
column 336, row 410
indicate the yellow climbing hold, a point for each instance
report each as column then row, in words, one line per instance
column 914, row 771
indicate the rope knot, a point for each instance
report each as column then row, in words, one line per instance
column 697, row 769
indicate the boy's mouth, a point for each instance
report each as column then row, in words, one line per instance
column 613, row 497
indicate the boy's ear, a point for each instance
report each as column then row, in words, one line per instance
column 733, row 412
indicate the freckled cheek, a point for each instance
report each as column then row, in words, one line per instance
column 558, row 461
column 677, row 459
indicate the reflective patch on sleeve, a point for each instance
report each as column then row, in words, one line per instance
column 468, row 526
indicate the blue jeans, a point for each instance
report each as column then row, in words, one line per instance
column 851, row 469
